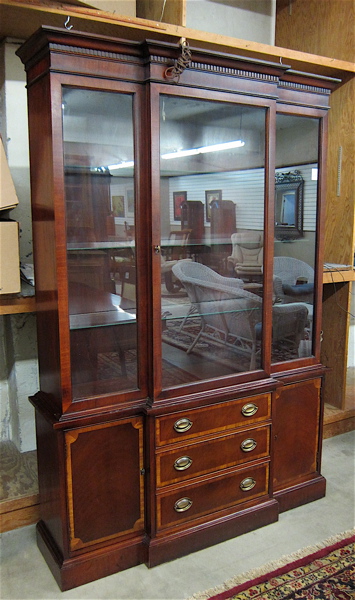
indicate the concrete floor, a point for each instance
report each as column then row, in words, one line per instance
column 24, row 574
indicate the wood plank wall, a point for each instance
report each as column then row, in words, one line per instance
column 327, row 28
column 165, row 11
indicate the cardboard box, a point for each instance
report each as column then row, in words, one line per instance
column 9, row 258
column 8, row 196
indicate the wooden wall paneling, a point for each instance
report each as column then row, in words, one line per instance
column 324, row 28
column 168, row 11
column 339, row 231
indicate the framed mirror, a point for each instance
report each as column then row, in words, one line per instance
column 288, row 205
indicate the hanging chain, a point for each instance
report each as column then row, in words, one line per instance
column 181, row 63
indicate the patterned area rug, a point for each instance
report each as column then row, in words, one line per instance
column 325, row 574
column 110, row 369
column 18, row 472
column 182, row 337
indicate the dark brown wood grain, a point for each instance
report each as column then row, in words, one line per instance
column 296, row 419
column 106, row 449
column 211, row 420
column 208, row 456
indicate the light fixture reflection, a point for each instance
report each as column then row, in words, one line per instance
column 189, row 152
column 122, row 165
column 204, row 149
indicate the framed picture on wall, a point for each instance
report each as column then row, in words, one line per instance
column 130, row 202
column 118, row 208
column 211, row 195
column 179, row 198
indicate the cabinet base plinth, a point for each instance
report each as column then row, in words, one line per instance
column 301, row 493
column 92, row 565
column 175, row 545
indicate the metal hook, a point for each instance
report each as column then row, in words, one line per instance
column 66, row 24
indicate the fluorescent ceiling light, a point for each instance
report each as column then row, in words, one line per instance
column 122, row 165
column 204, row 149
column 190, row 152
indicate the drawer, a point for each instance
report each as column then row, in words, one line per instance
column 207, row 456
column 192, row 501
column 211, row 419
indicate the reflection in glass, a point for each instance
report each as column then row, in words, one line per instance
column 99, row 194
column 212, row 171
column 295, row 243
column 289, row 205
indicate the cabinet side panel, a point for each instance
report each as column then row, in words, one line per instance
column 51, row 479
column 296, row 433
column 44, row 237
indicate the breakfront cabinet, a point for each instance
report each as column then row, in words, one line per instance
column 172, row 417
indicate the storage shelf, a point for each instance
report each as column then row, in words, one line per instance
column 17, row 304
column 20, row 19
column 338, row 276
column 24, row 302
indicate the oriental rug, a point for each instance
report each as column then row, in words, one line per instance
column 325, row 573
column 182, row 335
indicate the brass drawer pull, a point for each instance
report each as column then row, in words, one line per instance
column 182, row 425
column 248, row 445
column 182, row 463
column 247, row 484
column 182, row 504
column 249, row 409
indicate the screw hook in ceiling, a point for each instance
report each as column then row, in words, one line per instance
column 66, row 24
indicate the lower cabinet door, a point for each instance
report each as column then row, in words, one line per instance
column 105, row 485
column 217, row 493
column 296, row 422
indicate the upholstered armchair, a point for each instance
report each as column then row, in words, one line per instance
column 247, row 255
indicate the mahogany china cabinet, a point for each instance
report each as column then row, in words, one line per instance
column 168, row 421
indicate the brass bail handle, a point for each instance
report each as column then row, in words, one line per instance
column 182, row 504
column 182, row 425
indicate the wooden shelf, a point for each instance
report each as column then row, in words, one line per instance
column 17, row 305
column 14, row 304
column 338, row 276
column 337, row 420
column 10, row 304
column 19, row 512
column 20, row 19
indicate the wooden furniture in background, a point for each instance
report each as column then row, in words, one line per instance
column 192, row 218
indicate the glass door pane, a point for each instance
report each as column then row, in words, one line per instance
column 296, row 188
column 99, row 195
column 212, row 167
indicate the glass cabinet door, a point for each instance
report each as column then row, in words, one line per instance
column 100, row 230
column 212, row 185
column 296, row 204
